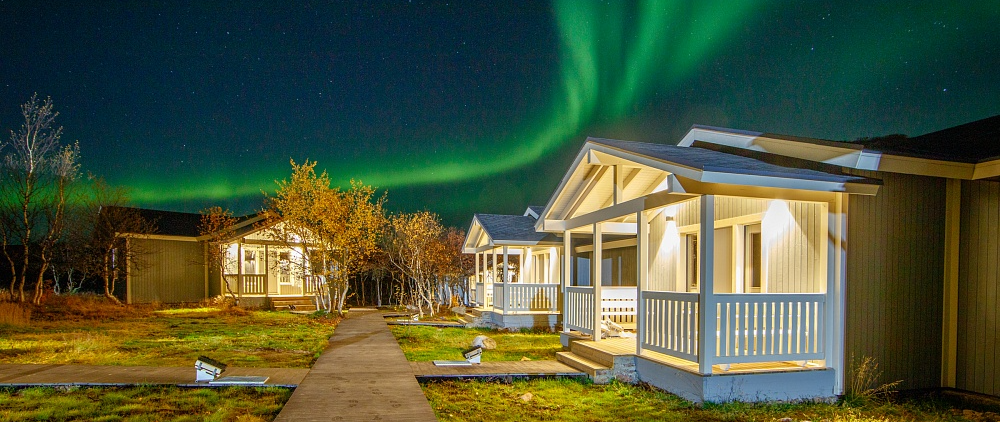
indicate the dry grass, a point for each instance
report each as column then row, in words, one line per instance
column 89, row 330
column 12, row 313
column 426, row 343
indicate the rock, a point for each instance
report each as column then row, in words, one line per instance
column 786, row 420
column 484, row 342
column 525, row 358
column 527, row 397
column 459, row 310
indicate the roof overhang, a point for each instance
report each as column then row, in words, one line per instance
column 842, row 154
column 677, row 182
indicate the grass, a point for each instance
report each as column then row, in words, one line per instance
column 85, row 331
column 424, row 343
column 144, row 403
column 576, row 400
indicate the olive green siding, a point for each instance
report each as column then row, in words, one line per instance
column 894, row 280
column 978, row 357
column 173, row 272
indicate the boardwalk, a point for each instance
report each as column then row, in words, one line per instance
column 362, row 376
column 24, row 375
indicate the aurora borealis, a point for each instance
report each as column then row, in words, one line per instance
column 471, row 107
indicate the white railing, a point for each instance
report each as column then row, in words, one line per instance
column 618, row 304
column 670, row 324
column 579, row 312
column 525, row 297
column 769, row 327
column 253, row 284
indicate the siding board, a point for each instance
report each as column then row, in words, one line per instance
column 977, row 355
column 177, row 276
column 894, row 275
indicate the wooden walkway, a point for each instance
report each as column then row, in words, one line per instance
column 24, row 375
column 517, row 369
column 362, row 376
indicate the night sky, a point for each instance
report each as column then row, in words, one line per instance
column 477, row 106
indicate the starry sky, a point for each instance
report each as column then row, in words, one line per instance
column 470, row 106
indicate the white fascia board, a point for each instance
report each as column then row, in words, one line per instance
column 640, row 161
column 160, row 237
column 539, row 225
column 986, row 169
column 782, row 182
column 926, row 167
column 754, row 141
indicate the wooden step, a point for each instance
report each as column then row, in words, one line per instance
column 600, row 374
column 585, row 350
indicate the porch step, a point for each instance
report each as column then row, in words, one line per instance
column 585, row 349
column 600, row 374
column 293, row 304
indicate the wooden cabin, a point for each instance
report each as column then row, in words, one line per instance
column 516, row 283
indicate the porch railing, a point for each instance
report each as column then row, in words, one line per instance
column 618, row 304
column 671, row 324
column 253, row 284
column 525, row 297
column 765, row 327
column 748, row 327
column 311, row 284
column 579, row 312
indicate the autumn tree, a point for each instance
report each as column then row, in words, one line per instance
column 215, row 227
column 35, row 177
column 338, row 229
column 414, row 247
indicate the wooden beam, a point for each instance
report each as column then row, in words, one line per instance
column 591, row 182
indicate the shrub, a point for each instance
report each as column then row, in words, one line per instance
column 864, row 386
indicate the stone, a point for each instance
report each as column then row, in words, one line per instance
column 527, row 397
column 484, row 342
column 525, row 358
column 458, row 310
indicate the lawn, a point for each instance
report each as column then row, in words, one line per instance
column 580, row 400
column 425, row 343
column 85, row 331
column 144, row 403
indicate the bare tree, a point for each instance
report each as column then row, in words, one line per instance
column 415, row 248
column 36, row 174
column 110, row 229
column 216, row 226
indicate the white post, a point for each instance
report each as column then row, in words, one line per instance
column 566, row 274
column 642, row 272
column 528, row 265
column 835, row 299
column 505, row 282
column 493, row 271
column 595, row 279
column 707, row 313
column 239, row 270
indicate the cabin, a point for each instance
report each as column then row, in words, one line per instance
column 517, row 271
column 750, row 266
column 922, row 273
column 175, row 266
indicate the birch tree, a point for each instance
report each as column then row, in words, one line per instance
column 415, row 249
column 35, row 178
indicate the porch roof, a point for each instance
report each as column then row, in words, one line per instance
column 500, row 230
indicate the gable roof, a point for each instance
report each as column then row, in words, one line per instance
column 717, row 161
column 501, row 229
column 974, row 142
column 970, row 151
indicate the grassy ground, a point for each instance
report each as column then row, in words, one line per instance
column 573, row 400
column 146, row 403
column 423, row 343
column 87, row 331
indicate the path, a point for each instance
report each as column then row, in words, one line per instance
column 23, row 375
column 362, row 376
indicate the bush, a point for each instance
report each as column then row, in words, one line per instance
column 87, row 306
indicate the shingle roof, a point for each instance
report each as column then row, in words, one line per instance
column 511, row 228
column 717, row 161
column 171, row 223
column 973, row 142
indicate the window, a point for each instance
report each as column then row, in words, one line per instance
column 691, row 261
column 752, row 262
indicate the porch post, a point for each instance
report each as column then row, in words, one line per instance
column 566, row 274
column 239, row 270
column 267, row 272
column 527, row 266
column 642, row 272
column 707, row 313
column 836, row 277
column 595, row 279
column 505, row 281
